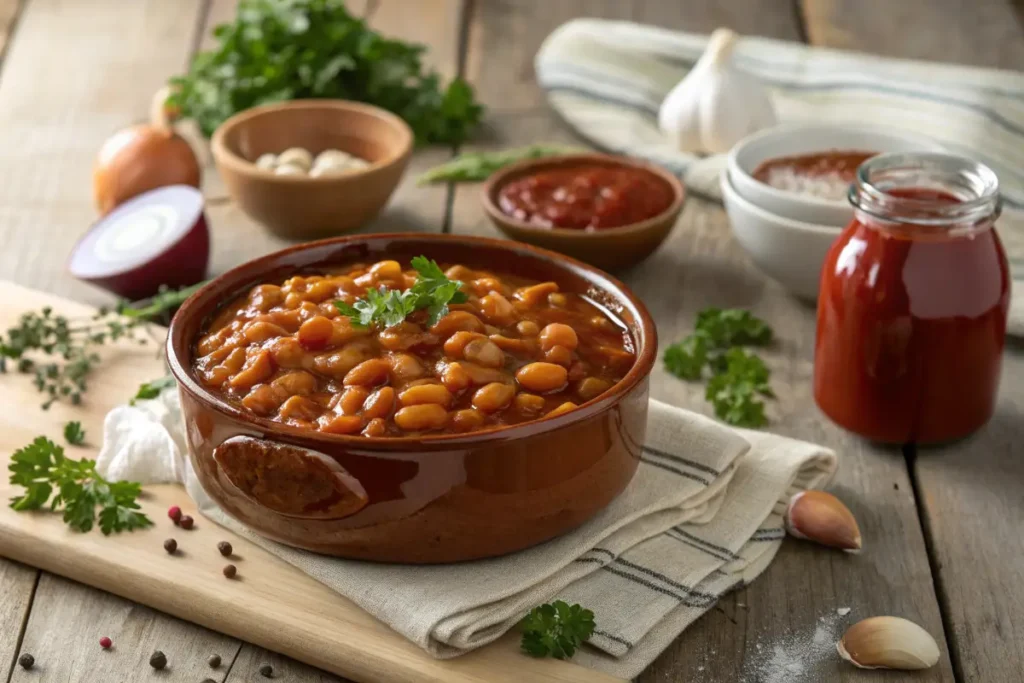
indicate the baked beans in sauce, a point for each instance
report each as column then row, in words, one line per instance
column 589, row 197
column 516, row 351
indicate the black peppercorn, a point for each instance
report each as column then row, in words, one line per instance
column 27, row 661
column 186, row 522
column 267, row 671
column 230, row 570
column 158, row 660
column 171, row 546
column 213, row 661
column 225, row 548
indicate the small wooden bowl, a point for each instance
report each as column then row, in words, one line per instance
column 301, row 207
column 608, row 248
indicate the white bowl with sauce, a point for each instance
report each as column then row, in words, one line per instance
column 825, row 203
column 788, row 251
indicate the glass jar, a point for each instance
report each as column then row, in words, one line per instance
column 913, row 302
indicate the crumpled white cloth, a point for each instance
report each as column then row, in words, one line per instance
column 702, row 516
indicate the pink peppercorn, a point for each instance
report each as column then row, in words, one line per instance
column 174, row 512
column 105, row 643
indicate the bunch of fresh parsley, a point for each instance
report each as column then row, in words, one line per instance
column 277, row 50
column 42, row 468
column 738, row 379
column 556, row 630
column 385, row 307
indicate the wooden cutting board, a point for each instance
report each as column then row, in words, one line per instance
column 271, row 603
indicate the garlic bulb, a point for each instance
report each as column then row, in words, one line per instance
column 715, row 105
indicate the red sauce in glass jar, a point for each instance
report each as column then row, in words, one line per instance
column 913, row 303
column 586, row 197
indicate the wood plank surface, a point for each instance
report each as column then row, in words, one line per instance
column 969, row 492
column 699, row 266
column 270, row 602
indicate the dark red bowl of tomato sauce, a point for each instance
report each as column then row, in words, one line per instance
column 609, row 211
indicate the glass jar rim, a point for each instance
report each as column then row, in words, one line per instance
column 973, row 184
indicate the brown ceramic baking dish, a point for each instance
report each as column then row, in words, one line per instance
column 424, row 499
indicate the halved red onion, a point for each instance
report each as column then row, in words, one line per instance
column 157, row 238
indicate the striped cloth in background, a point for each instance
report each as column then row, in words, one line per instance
column 607, row 80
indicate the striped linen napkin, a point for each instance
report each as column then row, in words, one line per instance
column 702, row 516
column 607, row 80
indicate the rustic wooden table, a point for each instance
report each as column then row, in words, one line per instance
column 944, row 545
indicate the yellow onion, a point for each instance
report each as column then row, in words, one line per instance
column 142, row 158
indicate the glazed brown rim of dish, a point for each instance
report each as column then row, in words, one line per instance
column 503, row 176
column 227, row 156
column 246, row 275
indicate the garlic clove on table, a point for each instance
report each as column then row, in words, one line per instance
column 821, row 517
column 888, row 643
column 715, row 105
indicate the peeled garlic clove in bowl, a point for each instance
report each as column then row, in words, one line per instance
column 888, row 643
column 716, row 105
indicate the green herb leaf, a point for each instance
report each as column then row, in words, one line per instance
column 556, row 630
column 478, row 166
column 42, row 467
column 74, row 434
column 278, row 50
column 152, row 389
column 735, row 392
column 385, row 307
column 739, row 379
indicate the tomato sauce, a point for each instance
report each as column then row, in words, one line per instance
column 591, row 197
column 911, row 327
column 826, row 175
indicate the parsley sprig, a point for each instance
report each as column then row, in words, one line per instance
column 42, row 468
column 738, row 379
column 277, row 50
column 152, row 389
column 385, row 307
column 556, row 630
column 74, row 434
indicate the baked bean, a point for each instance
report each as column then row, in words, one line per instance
column 564, row 408
column 559, row 355
column 542, row 377
column 493, row 397
column 380, row 403
column 316, row 332
column 457, row 321
column 532, row 296
column 288, row 352
column 497, row 309
column 521, row 346
column 257, row 369
column 352, row 400
column 369, row 373
column 529, row 404
column 467, row 420
column 456, row 343
column 484, row 352
column 592, row 387
column 426, row 393
column 527, row 328
column 260, row 331
column 558, row 334
column 295, row 383
column 421, row 417
column 285, row 352
column 478, row 374
column 262, row 400
column 299, row 407
column 376, row 427
column 455, row 377
column 265, row 297
column 405, row 367
column 341, row 424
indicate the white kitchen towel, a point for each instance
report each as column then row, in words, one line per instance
column 702, row 516
column 607, row 80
